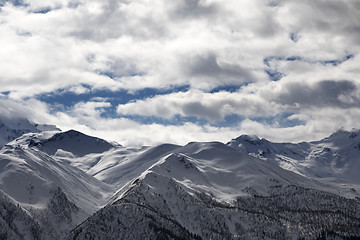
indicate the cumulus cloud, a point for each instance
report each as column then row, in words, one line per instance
column 268, row 100
column 209, row 69
column 295, row 57
column 195, row 103
column 138, row 44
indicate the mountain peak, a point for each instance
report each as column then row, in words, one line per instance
column 249, row 138
column 341, row 133
column 73, row 141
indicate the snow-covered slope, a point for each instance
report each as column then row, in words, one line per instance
column 119, row 165
column 50, row 182
column 55, row 194
column 210, row 191
column 223, row 171
column 337, row 156
column 221, row 164
column 11, row 128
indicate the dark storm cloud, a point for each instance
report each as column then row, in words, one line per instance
column 327, row 93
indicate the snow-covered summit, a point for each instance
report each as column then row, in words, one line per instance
column 342, row 137
column 63, row 143
column 55, row 194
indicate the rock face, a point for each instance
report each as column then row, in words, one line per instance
column 67, row 185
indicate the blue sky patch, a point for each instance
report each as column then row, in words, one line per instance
column 63, row 99
column 274, row 75
column 66, row 99
column 227, row 88
column 336, row 62
column 6, row 93
column 43, row 10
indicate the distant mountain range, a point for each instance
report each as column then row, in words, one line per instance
column 67, row 185
column 337, row 156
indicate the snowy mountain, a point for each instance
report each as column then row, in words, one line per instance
column 54, row 194
column 210, row 191
column 70, row 142
column 67, row 185
column 337, row 156
column 15, row 127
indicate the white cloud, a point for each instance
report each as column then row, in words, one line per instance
column 210, row 106
column 158, row 44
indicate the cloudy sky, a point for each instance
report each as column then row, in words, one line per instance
column 143, row 72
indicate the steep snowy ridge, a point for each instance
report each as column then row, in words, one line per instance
column 55, row 194
column 120, row 165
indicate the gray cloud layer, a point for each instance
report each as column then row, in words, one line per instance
column 325, row 93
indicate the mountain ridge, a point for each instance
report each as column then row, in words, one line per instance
column 73, row 186
column 335, row 156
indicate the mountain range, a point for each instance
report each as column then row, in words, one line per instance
column 337, row 156
column 67, row 185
